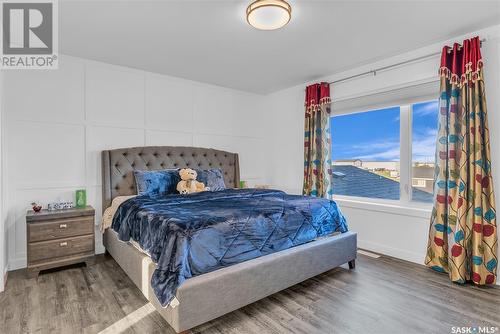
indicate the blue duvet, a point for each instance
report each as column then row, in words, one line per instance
column 189, row 235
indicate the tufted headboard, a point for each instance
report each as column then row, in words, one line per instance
column 118, row 166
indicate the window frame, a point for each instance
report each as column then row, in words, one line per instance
column 405, row 158
column 419, row 183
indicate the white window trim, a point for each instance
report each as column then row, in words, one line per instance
column 415, row 209
column 405, row 205
column 405, row 150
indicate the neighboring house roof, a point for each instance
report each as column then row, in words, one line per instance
column 423, row 172
column 360, row 182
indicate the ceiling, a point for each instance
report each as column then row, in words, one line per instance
column 210, row 41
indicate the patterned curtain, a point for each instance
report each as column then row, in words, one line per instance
column 317, row 162
column 463, row 234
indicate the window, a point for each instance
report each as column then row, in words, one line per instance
column 375, row 156
column 424, row 131
column 365, row 150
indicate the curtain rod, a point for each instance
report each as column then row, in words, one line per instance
column 374, row 72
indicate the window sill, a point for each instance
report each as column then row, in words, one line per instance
column 414, row 209
column 390, row 207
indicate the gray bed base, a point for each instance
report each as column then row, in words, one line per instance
column 211, row 295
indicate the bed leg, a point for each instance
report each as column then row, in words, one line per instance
column 352, row 264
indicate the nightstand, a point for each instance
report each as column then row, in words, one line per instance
column 59, row 238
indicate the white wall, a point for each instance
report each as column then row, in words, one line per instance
column 397, row 231
column 3, row 245
column 57, row 122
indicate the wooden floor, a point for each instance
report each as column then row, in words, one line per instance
column 381, row 295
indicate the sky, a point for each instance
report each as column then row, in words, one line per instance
column 374, row 135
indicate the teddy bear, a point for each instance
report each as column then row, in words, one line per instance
column 188, row 183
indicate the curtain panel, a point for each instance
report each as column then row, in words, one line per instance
column 463, row 233
column 317, row 162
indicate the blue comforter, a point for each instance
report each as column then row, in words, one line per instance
column 188, row 235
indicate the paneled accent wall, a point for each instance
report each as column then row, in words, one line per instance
column 57, row 122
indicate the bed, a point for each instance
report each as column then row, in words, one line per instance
column 210, row 295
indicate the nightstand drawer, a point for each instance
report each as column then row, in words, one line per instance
column 45, row 250
column 60, row 228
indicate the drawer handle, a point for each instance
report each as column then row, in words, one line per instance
column 62, row 226
column 63, row 244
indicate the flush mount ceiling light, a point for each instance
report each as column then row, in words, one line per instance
column 269, row 14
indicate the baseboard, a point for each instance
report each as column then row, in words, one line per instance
column 368, row 253
column 5, row 276
column 402, row 254
column 99, row 249
column 21, row 261
column 17, row 263
column 396, row 253
column 3, row 283
column 391, row 251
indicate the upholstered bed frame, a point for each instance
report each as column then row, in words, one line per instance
column 118, row 166
column 206, row 297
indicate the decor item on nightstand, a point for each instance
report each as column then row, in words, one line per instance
column 243, row 184
column 81, row 198
column 36, row 207
column 60, row 206
column 59, row 238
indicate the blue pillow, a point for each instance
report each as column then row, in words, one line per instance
column 212, row 178
column 157, row 182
